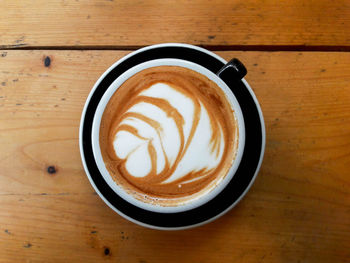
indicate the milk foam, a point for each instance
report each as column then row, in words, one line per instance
column 159, row 134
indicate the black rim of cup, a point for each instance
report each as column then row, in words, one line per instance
column 235, row 189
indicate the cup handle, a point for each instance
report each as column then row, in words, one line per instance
column 234, row 69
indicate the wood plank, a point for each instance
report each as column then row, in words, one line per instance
column 297, row 211
column 78, row 23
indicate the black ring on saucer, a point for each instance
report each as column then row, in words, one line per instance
column 240, row 181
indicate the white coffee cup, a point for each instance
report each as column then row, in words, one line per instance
column 202, row 199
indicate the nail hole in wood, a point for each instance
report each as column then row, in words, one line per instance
column 51, row 169
column 47, row 62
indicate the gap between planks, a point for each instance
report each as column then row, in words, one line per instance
column 270, row 48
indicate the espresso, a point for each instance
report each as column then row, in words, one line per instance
column 168, row 135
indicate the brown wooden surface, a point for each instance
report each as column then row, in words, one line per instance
column 108, row 23
column 298, row 210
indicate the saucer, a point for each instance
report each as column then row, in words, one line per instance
column 236, row 188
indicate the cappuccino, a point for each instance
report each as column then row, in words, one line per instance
column 168, row 135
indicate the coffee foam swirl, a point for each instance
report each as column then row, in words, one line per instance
column 170, row 137
column 166, row 135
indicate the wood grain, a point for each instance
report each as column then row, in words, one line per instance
column 108, row 23
column 298, row 210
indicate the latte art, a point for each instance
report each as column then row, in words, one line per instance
column 168, row 134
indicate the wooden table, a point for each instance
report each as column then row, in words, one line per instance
column 298, row 59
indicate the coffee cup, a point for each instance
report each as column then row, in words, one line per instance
column 208, row 193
